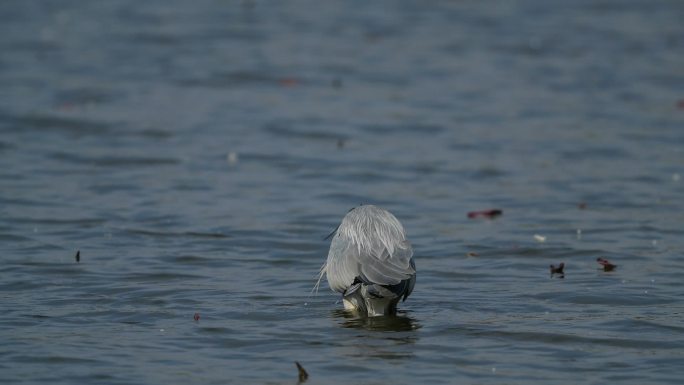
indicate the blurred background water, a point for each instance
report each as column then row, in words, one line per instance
column 196, row 153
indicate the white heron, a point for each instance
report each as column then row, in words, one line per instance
column 370, row 262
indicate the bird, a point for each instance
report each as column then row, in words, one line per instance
column 370, row 262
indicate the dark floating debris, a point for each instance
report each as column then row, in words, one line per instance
column 607, row 266
column 680, row 104
column 557, row 270
column 289, row 82
column 493, row 213
column 303, row 375
column 78, row 256
column 196, row 317
column 472, row 254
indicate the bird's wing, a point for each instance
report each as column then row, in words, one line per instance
column 379, row 266
column 411, row 282
column 376, row 263
column 342, row 266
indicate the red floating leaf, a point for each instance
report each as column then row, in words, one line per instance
column 485, row 213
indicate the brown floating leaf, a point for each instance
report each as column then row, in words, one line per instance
column 557, row 270
column 303, row 375
column 289, row 82
column 607, row 266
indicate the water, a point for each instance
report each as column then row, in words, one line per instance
column 197, row 154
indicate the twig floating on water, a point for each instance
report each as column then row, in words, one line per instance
column 303, row 375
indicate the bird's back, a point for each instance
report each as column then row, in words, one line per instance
column 370, row 260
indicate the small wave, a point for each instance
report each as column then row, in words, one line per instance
column 75, row 126
column 193, row 234
column 35, row 359
column 288, row 131
column 113, row 161
column 558, row 338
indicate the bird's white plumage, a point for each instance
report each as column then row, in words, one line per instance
column 370, row 243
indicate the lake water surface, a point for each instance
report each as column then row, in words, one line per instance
column 197, row 153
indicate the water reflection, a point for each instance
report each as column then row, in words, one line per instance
column 397, row 323
column 395, row 342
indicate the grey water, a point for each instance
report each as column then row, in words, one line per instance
column 197, row 153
